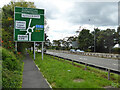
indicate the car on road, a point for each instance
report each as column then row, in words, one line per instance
column 39, row 51
column 78, row 50
column 72, row 50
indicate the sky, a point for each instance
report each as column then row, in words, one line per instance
column 65, row 17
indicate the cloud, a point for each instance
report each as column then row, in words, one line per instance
column 97, row 13
column 51, row 10
column 58, row 35
column 64, row 18
column 60, row 29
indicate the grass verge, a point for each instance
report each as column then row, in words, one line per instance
column 62, row 74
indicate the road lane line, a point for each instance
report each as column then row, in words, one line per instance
column 114, row 64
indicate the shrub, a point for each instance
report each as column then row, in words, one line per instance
column 11, row 79
column 116, row 50
column 12, row 68
column 10, row 61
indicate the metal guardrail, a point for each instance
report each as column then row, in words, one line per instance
column 88, row 64
column 101, row 55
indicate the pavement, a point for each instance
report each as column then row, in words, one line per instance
column 32, row 77
column 111, row 64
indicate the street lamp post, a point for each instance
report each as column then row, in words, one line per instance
column 94, row 41
column 94, row 37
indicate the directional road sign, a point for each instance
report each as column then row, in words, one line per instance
column 28, row 24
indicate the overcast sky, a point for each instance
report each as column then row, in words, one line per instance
column 64, row 17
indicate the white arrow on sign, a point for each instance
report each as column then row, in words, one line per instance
column 31, row 29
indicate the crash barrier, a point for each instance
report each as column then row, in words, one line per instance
column 101, row 55
column 86, row 65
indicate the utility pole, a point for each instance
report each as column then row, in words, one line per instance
column 94, row 37
column 94, row 40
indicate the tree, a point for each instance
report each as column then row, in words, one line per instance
column 71, row 39
column 65, row 44
column 118, row 34
column 104, row 40
column 48, row 43
column 95, row 34
column 109, row 35
column 85, row 39
column 56, row 43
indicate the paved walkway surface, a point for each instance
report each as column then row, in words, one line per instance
column 32, row 77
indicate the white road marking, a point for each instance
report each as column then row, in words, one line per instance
column 83, row 58
column 114, row 64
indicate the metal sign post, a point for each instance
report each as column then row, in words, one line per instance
column 42, row 49
column 15, row 46
column 34, row 50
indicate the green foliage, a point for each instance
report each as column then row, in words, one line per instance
column 12, row 68
column 61, row 74
column 8, row 23
column 116, row 85
column 116, row 50
column 0, row 68
column 11, row 79
column 118, row 34
column 85, row 39
column 104, row 40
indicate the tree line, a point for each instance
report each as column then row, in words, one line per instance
column 102, row 41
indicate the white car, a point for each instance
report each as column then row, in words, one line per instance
column 79, row 50
column 72, row 50
column 39, row 51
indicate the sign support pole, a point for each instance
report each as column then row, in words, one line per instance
column 34, row 50
column 42, row 50
column 16, row 46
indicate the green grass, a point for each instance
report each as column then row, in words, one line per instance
column 61, row 74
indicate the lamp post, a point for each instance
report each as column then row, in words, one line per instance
column 94, row 40
column 94, row 37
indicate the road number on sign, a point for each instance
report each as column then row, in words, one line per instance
column 23, row 37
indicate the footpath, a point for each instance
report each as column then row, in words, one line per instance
column 32, row 77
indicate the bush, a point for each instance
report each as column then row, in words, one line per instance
column 10, row 61
column 116, row 50
column 11, row 79
column 12, row 68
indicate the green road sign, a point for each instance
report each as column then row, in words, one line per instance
column 28, row 24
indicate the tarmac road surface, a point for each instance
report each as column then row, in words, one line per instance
column 112, row 64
